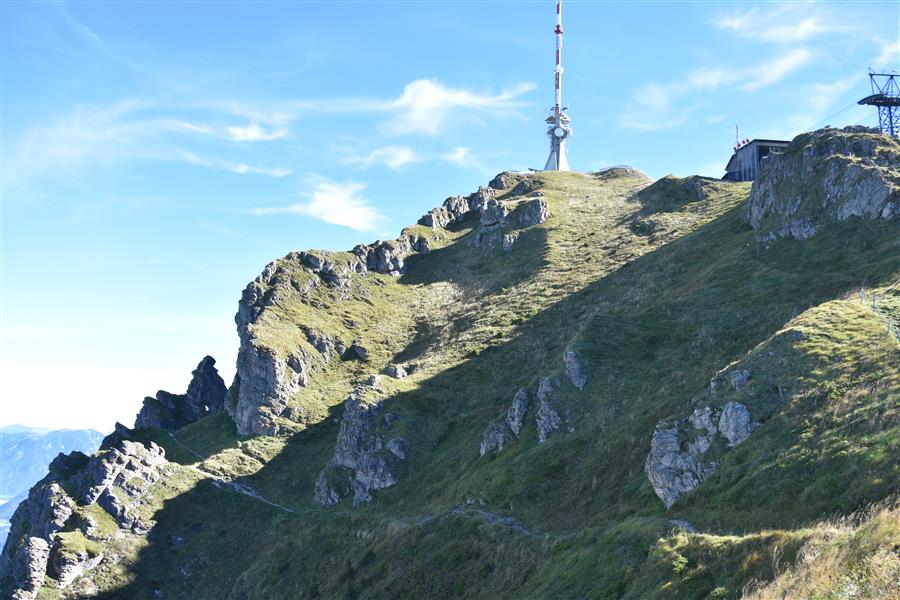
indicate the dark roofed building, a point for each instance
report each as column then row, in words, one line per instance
column 745, row 162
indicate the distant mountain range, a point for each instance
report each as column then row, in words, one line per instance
column 25, row 453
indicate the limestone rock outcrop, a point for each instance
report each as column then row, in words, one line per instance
column 551, row 415
column 509, row 428
column 825, row 177
column 267, row 379
column 574, row 369
column 362, row 461
column 535, row 212
column 205, row 396
column 684, row 452
column 457, row 208
column 388, row 256
column 51, row 538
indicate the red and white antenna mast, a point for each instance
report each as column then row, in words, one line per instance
column 558, row 120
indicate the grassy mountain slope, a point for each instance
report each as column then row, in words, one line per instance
column 658, row 288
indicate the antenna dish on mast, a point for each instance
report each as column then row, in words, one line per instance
column 559, row 129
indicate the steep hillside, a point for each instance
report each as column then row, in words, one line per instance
column 563, row 385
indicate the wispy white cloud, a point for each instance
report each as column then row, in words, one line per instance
column 784, row 23
column 425, row 105
column 254, row 133
column 888, row 55
column 234, row 167
column 398, row 157
column 773, row 71
column 104, row 135
column 660, row 98
column 338, row 203
column 819, row 100
column 463, row 157
column 394, row 157
column 137, row 129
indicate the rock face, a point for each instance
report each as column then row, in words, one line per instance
column 388, row 256
column 548, row 418
column 498, row 434
column 457, row 208
column 686, row 451
column 535, row 212
column 362, row 462
column 48, row 538
column 824, row 177
column 574, row 370
column 552, row 414
column 205, row 396
column 267, row 379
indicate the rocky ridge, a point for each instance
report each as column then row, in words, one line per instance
column 266, row 380
column 823, row 177
column 205, row 396
column 54, row 535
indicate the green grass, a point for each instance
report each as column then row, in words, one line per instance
column 659, row 288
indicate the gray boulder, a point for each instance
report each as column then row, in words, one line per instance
column 494, row 438
column 494, row 212
column 685, row 452
column 535, row 212
column 515, row 416
column 396, row 371
column 548, row 419
column 739, row 378
column 574, row 369
column 735, row 424
column 389, row 256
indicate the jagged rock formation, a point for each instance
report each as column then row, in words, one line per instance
column 574, row 370
column 552, row 414
column 535, row 212
column 825, row 177
column 509, row 428
column 53, row 536
column 683, row 452
column 388, row 256
column 205, row 396
column 266, row 379
column 362, row 462
column 548, row 419
column 457, row 208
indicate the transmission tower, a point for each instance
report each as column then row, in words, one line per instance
column 559, row 129
column 886, row 98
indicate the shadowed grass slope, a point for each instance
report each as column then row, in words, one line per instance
column 658, row 288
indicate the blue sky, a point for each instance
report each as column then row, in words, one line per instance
column 155, row 156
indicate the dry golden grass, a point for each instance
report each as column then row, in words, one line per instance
column 856, row 557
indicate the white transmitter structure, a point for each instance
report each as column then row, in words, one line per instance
column 559, row 129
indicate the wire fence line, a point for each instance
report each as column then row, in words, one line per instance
column 871, row 300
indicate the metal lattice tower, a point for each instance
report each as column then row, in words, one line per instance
column 558, row 120
column 886, row 98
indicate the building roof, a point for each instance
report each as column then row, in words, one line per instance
column 758, row 142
